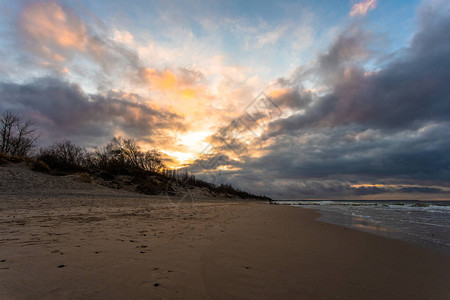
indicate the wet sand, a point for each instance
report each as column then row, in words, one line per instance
column 283, row 253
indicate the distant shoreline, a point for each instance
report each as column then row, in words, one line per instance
column 358, row 200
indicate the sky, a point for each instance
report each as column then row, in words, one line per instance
column 289, row 99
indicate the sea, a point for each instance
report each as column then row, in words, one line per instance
column 425, row 223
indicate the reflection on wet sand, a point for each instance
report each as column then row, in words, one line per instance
column 363, row 224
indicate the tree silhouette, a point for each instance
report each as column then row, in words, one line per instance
column 17, row 137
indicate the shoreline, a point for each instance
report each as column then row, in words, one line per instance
column 209, row 250
column 391, row 221
column 381, row 230
column 327, row 261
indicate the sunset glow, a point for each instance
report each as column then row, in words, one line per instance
column 352, row 101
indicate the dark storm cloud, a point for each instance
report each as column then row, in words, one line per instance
column 347, row 152
column 61, row 110
column 325, row 188
column 350, row 47
column 346, row 155
column 427, row 190
column 294, row 98
column 411, row 90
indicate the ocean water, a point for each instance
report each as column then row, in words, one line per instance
column 419, row 222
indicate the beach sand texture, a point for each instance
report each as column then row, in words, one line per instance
column 64, row 239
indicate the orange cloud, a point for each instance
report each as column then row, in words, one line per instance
column 50, row 26
column 363, row 7
column 163, row 81
column 182, row 91
column 56, row 33
column 183, row 86
column 276, row 93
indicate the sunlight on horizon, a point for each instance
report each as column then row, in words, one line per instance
column 287, row 97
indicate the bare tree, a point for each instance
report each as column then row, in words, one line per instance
column 147, row 161
column 151, row 161
column 17, row 137
column 131, row 150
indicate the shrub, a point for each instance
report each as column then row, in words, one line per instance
column 125, row 157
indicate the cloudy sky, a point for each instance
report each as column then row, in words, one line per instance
column 291, row 99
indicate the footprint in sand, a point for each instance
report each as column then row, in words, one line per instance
column 150, row 283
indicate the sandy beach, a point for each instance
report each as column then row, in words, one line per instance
column 64, row 239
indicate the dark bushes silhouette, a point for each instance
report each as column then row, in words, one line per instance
column 124, row 156
column 64, row 156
